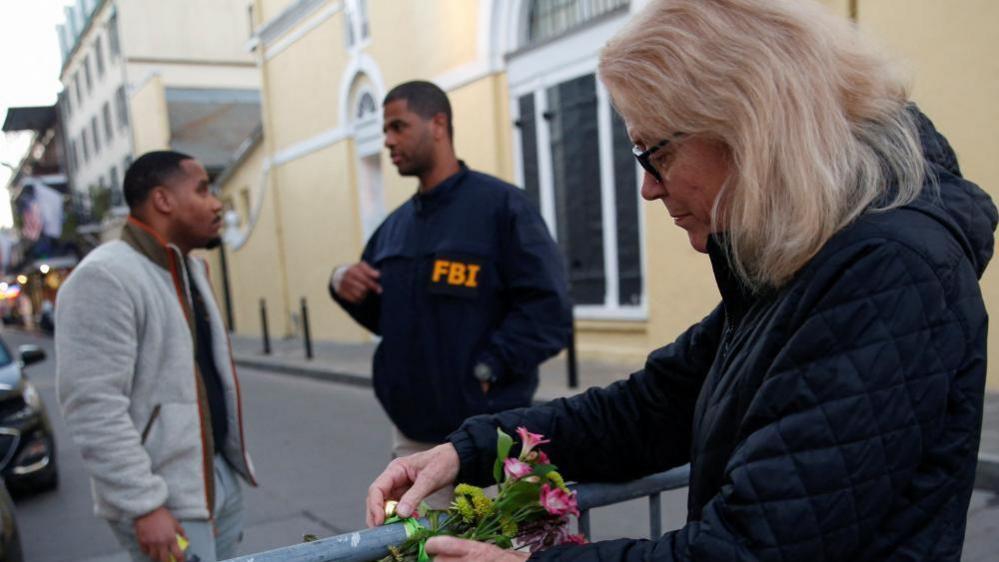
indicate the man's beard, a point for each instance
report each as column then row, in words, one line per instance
column 213, row 243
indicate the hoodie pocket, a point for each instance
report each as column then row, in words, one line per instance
column 149, row 424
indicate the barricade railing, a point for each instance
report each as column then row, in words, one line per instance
column 372, row 544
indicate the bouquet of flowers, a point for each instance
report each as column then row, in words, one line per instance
column 531, row 508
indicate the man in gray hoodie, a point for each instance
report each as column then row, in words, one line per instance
column 145, row 376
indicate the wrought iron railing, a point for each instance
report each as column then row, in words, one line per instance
column 372, row 544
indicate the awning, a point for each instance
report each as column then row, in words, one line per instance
column 57, row 262
column 211, row 124
column 38, row 118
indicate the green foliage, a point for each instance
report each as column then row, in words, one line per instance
column 503, row 445
column 100, row 202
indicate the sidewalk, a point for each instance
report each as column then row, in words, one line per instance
column 351, row 364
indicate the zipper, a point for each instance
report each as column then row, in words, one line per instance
column 149, row 424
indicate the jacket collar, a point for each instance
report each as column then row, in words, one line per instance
column 737, row 295
column 443, row 191
column 148, row 242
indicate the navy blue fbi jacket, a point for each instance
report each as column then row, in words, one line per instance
column 469, row 275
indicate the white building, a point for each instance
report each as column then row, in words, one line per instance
column 185, row 59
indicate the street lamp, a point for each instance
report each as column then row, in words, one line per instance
column 44, row 268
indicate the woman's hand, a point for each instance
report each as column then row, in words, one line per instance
column 450, row 549
column 410, row 479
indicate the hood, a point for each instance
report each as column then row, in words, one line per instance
column 10, row 380
column 962, row 207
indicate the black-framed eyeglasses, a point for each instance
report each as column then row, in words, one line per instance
column 644, row 157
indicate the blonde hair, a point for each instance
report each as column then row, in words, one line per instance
column 815, row 120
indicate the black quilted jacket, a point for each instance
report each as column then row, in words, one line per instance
column 835, row 419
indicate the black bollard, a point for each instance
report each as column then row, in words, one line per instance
column 305, row 330
column 571, row 358
column 263, row 327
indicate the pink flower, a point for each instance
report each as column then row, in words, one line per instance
column 558, row 502
column 574, row 539
column 542, row 457
column 515, row 469
column 529, row 441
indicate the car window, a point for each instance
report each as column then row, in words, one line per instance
column 5, row 357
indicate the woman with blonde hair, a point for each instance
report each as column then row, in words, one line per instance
column 830, row 406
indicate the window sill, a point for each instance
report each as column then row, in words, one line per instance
column 630, row 316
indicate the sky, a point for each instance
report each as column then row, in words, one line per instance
column 29, row 72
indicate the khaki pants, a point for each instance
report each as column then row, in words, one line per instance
column 403, row 446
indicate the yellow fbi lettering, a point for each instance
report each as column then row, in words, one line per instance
column 456, row 273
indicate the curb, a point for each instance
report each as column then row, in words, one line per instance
column 306, row 371
column 325, row 374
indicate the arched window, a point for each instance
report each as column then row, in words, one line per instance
column 551, row 18
column 366, row 107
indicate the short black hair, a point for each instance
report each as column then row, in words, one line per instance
column 423, row 98
column 149, row 170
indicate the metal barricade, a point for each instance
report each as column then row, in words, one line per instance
column 372, row 544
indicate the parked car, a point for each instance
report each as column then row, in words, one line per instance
column 27, row 442
column 10, row 539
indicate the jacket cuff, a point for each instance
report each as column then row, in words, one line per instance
column 134, row 504
column 475, row 460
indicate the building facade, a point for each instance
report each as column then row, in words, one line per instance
column 140, row 76
column 527, row 108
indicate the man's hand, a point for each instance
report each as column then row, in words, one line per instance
column 157, row 533
column 451, row 549
column 411, row 479
column 358, row 280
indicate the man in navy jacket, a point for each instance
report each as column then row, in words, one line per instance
column 463, row 283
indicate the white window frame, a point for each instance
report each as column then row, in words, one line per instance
column 368, row 142
column 533, row 72
column 357, row 18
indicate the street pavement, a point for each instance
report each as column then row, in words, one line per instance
column 317, row 445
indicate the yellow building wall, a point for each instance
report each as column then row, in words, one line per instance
column 951, row 50
column 840, row 7
column 317, row 193
column 443, row 32
column 955, row 82
column 254, row 268
column 150, row 121
column 186, row 29
column 321, row 229
column 482, row 127
column 266, row 10
column 304, row 84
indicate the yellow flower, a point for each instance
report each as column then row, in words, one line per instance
column 483, row 506
column 556, row 478
column 467, row 490
column 465, row 509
